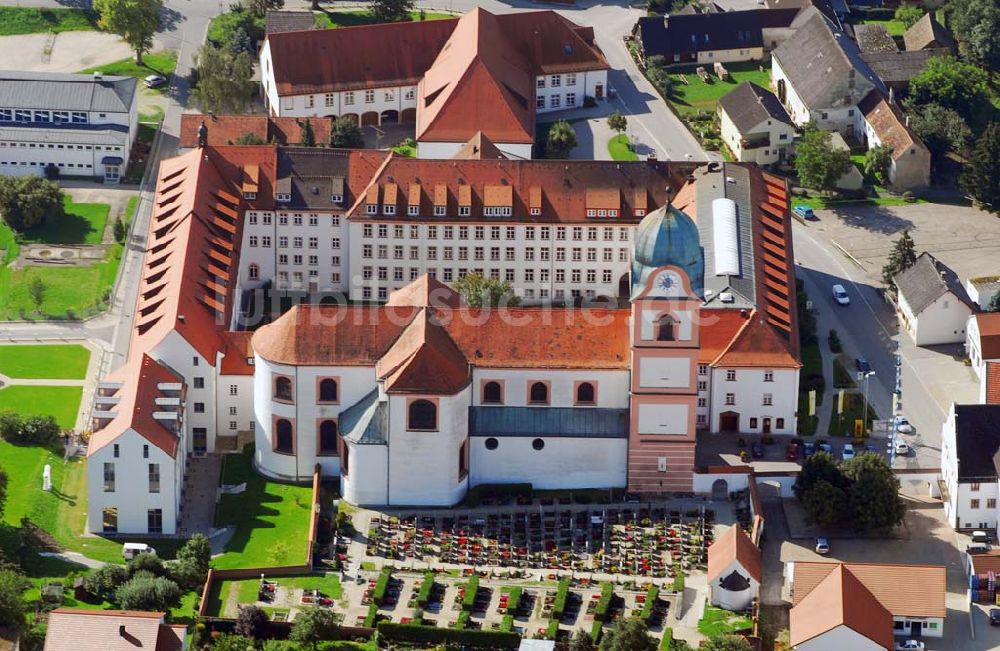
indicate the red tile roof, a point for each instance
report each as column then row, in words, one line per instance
column 228, row 129
column 841, row 599
column 732, row 545
column 71, row 629
column 924, row 595
column 424, row 292
column 718, row 329
column 424, row 360
column 757, row 344
column 992, row 383
column 775, row 268
column 353, row 58
column 236, row 350
column 989, row 334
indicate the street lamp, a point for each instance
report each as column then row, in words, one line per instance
column 864, row 375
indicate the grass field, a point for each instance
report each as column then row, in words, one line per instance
column 83, row 224
column 717, row 621
column 329, row 19
column 620, row 148
column 271, row 518
column 30, row 20
column 56, row 362
column 60, row 402
column 881, row 198
column 153, row 63
column 894, row 27
column 698, row 96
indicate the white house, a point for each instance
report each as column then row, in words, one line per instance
column 982, row 345
column 931, row 303
column 754, row 125
column 970, row 439
column 84, row 125
column 734, row 570
column 880, row 123
column 982, row 289
column 863, row 605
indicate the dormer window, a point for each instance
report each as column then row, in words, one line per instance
column 612, row 213
column 249, row 196
column 536, row 211
column 639, row 212
column 464, row 211
column 371, row 209
column 439, row 211
column 591, row 212
column 496, row 211
column 336, row 198
column 388, row 209
column 283, row 197
column 413, row 211
column 602, row 213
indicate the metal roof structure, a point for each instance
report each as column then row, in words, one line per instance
column 64, row 92
column 76, row 134
column 366, row 421
column 556, row 422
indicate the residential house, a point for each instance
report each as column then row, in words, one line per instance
column 112, row 630
column 982, row 345
column 754, row 125
column 862, row 605
column 928, row 33
column 931, row 302
column 982, row 289
column 970, row 442
column 880, row 123
column 83, row 125
column 734, row 570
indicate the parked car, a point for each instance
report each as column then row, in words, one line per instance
column 862, row 364
column 822, row 546
column 824, row 446
column 848, row 452
column 131, row 550
column 994, row 616
column 154, row 81
column 805, row 212
column 981, row 537
column 840, row 295
column 902, row 425
column 808, row 449
column 870, row 448
column 792, row 452
column 901, row 449
column 757, row 450
column 910, row 645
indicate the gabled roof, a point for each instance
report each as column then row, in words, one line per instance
column 840, row 599
column 288, row 21
column 988, row 324
column 977, row 439
column 927, row 281
column 718, row 330
column 734, row 544
column 111, row 630
column 237, row 351
column 928, row 32
column 55, row 91
column 424, row 292
column 423, row 359
column 694, row 32
column 228, row 129
column 479, row 147
column 898, row 68
column 890, row 127
column 748, row 105
column 757, row 344
column 924, row 595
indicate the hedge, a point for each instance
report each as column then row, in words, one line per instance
column 424, row 594
column 514, row 599
column 553, row 630
column 596, row 631
column 607, row 592
column 471, row 588
column 371, row 616
column 429, row 635
column 462, row 623
column 381, row 585
column 559, row 605
column 647, row 608
column 668, row 639
column 507, row 624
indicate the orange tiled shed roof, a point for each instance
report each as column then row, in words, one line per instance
column 734, row 544
column 989, row 334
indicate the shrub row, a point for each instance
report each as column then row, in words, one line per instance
column 28, row 430
column 514, row 599
column 429, row 635
column 371, row 616
column 596, row 631
column 424, row 594
column 507, row 624
column 381, row 585
column 462, row 623
column 668, row 639
column 647, row 608
column 471, row 588
column 559, row 605
column 607, row 592
column 553, row 629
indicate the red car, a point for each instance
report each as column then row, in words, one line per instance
column 792, row 452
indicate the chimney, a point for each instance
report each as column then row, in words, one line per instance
column 892, row 95
column 121, row 630
column 202, row 135
column 666, row 21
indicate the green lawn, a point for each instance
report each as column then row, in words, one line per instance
column 29, row 20
column 894, row 27
column 842, row 377
column 854, row 405
column 129, row 215
column 271, row 518
column 620, row 148
column 83, row 224
column 406, row 148
column 328, row 19
column 881, row 198
column 698, row 96
column 717, row 621
column 153, row 63
column 60, row 402
column 56, row 362
column 246, row 590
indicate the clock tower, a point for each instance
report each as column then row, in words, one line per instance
column 667, row 276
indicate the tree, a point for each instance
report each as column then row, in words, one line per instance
column 901, row 258
column 909, row 15
column 617, row 122
column 145, row 592
column 13, row 585
column 981, row 176
column 942, row 129
column 390, row 11
column 308, row 135
column 251, row 621
column 345, row 133
column 976, row 24
column 260, row 7
column 119, row 230
column 628, row 635
column 477, row 291
column 191, row 567
column 960, row 86
column 818, row 164
column 134, row 20
column 227, row 642
column 825, row 504
column 312, row 625
column 249, row 139
column 105, row 580
column 878, row 160
column 874, row 493
column 726, row 643
column 36, row 289
column 992, row 306
column 561, row 140
column 240, row 40
column 224, row 79
column 818, row 467
column 581, row 641
column 30, row 201
column 145, row 562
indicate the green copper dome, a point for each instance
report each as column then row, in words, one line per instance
column 664, row 237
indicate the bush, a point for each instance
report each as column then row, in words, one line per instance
column 552, row 630
column 105, row 580
column 833, row 339
column 119, row 230
column 647, row 609
column 145, row 563
column 378, row 594
column 597, row 632
column 514, row 599
column 251, row 621
column 507, row 624
column 477, row 494
column 604, row 603
column 29, row 430
column 462, row 623
column 424, row 594
column 372, row 616
column 471, row 588
column 668, row 639
column 559, row 605
column 148, row 593
column 427, row 635
column 678, row 585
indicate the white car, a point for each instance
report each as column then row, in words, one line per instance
column 901, row 448
column 902, row 425
column 910, row 645
column 154, row 81
column 822, row 546
column 840, row 295
column 848, row 452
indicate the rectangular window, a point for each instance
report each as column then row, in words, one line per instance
column 233, row 390
column 972, row 487
column 145, row 451
column 730, row 398
column 109, row 478
column 154, row 520
column 768, row 399
column 369, row 96
column 154, row 478
column 199, row 383
column 328, row 99
column 702, row 369
column 974, row 504
column 702, row 402
column 730, row 375
column 769, row 376
column 779, row 423
column 349, row 97
column 199, row 407
column 991, row 503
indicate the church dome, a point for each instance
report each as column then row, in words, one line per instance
column 665, row 237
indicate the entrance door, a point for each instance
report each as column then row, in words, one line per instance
column 729, row 421
column 112, row 173
column 599, row 91
column 915, row 628
column 200, row 440
column 767, row 426
column 109, row 517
